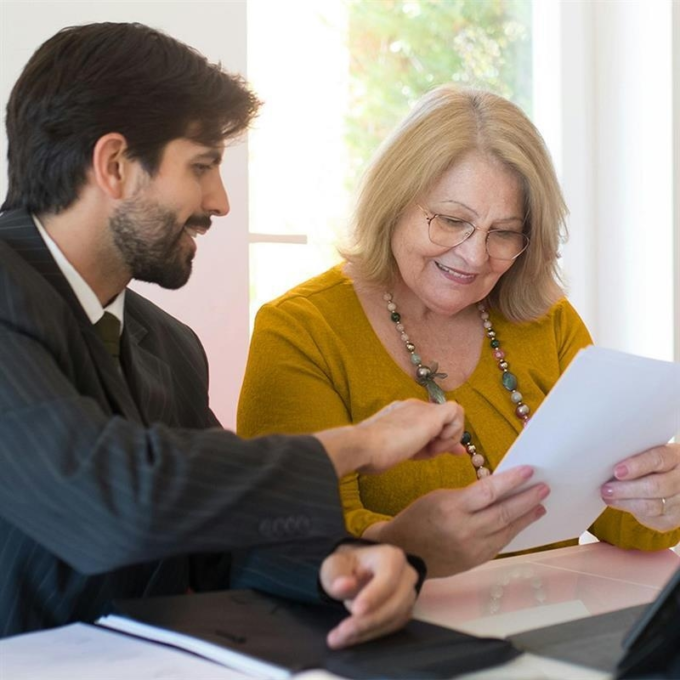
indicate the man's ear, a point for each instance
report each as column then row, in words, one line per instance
column 112, row 169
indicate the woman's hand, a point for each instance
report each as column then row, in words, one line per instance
column 648, row 486
column 456, row 529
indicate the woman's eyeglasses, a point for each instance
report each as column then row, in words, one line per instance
column 449, row 232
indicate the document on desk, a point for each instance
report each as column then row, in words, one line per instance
column 606, row 406
column 83, row 652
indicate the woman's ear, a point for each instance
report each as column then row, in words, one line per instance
column 111, row 167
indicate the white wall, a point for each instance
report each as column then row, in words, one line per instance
column 610, row 85
column 215, row 301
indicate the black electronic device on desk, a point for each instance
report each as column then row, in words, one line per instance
column 653, row 644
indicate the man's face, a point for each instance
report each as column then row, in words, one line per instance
column 155, row 229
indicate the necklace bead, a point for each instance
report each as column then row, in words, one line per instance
column 427, row 376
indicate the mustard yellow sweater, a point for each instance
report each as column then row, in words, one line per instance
column 315, row 363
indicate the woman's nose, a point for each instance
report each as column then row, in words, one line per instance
column 473, row 248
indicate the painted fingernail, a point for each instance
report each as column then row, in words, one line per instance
column 526, row 471
column 540, row 511
column 621, row 471
column 608, row 490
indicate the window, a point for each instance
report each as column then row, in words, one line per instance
column 334, row 88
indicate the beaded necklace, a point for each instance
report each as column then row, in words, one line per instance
column 427, row 375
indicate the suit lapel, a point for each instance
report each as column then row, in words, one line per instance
column 148, row 376
column 19, row 231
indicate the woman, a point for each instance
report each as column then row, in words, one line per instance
column 450, row 291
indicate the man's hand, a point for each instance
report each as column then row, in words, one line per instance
column 377, row 585
column 410, row 429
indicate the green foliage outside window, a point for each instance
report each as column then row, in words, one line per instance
column 400, row 49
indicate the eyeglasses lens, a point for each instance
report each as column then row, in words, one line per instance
column 501, row 244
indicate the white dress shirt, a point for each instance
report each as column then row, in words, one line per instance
column 86, row 296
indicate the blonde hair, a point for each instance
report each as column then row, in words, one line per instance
column 446, row 124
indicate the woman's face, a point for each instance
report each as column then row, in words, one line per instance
column 480, row 190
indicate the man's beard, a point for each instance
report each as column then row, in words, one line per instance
column 149, row 239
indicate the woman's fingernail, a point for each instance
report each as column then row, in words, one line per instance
column 608, row 490
column 526, row 471
column 621, row 471
column 543, row 491
column 540, row 511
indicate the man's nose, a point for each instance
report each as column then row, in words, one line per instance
column 216, row 200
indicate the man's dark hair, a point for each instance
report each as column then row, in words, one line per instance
column 87, row 81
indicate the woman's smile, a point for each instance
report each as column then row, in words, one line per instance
column 456, row 275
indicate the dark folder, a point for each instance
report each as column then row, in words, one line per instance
column 292, row 636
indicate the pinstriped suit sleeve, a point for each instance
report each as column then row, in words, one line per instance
column 101, row 491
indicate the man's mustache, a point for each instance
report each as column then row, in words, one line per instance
column 201, row 221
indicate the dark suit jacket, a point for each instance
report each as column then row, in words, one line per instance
column 106, row 481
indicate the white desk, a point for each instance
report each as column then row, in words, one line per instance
column 510, row 595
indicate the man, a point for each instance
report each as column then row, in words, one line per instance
column 113, row 466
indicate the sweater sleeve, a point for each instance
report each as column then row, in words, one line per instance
column 288, row 385
column 571, row 334
column 357, row 517
column 624, row 531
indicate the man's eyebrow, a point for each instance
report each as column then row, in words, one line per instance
column 211, row 155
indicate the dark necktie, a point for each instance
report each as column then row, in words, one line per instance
column 108, row 329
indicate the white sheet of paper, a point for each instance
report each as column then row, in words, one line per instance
column 83, row 652
column 606, row 406
column 222, row 655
